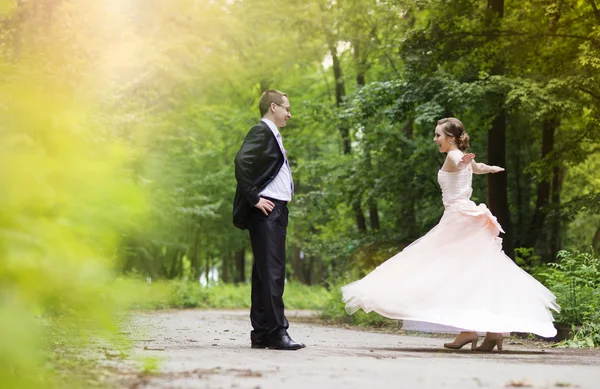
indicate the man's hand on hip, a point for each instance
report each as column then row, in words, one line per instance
column 265, row 206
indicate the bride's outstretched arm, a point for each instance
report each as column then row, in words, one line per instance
column 482, row 168
column 459, row 159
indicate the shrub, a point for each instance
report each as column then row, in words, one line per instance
column 588, row 335
column 575, row 281
column 334, row 309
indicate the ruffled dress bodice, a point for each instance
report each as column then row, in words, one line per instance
column 456, row 195
column 456, row 186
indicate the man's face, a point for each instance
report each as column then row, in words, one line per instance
column 282, row 112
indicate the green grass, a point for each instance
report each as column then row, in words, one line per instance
column 185, row 294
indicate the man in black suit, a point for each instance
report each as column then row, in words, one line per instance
column 264, row 187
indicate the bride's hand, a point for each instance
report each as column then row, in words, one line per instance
column 496, row 169
column 467, row 158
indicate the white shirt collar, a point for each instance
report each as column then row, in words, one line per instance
column 272, row 126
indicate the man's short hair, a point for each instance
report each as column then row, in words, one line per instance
column 269, row 97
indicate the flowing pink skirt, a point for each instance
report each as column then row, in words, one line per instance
column 455, row 278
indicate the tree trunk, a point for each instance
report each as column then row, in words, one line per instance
column 543, row 189
column 297, row 268
column 555, row 225
column 194, row 262
column 359, row 62
column 497, row 6
column 174, row 270
column 225, row 274
column 240, row 266
column 374, row 215
column 360, row 81
column 596, row 240
column 310, row 271
column 408, row 214
column 361, row 222
column 319, row 272
column 180, row 264
column 497, row 183
column 340, row 92
column 595, row 9
column 521, row 214
column 207, row 268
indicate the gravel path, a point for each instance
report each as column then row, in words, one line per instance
column 210, row 349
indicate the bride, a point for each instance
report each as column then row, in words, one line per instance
column 456, row 278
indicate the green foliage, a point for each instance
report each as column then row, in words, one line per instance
column 334, row 309
column 527, row 259
column 67, row 193
column 186, row 294
column 586, row 336
column 575, row 281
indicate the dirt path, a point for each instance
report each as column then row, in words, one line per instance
column 210, row 349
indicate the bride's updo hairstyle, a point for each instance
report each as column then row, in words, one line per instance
column 454, row 128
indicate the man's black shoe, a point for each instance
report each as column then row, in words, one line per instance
column 259, row 345
column 285, row 343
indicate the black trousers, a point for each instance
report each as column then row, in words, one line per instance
column 267, row 235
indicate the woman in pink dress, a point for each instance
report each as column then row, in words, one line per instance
column 456, row 278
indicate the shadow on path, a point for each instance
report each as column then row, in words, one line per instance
column 443, row 351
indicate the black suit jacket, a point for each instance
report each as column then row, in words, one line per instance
column 256, row 165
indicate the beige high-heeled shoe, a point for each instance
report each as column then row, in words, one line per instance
column 489, row 342
column 461, row 340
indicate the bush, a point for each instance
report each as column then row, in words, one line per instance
column 575, row 281
column 527, row 259
column 588, row 335
column 334, row 309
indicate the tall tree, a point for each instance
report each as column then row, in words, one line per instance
column 498, row 183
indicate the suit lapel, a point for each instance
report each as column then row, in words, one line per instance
column 279, row 145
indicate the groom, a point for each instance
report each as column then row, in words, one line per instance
column 264, row 187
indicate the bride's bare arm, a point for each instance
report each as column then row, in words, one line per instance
column 482, row 168
column 460, row 160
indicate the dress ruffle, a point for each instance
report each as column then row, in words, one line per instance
column 469, row 208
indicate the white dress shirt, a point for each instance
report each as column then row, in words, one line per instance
column 282, row 187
